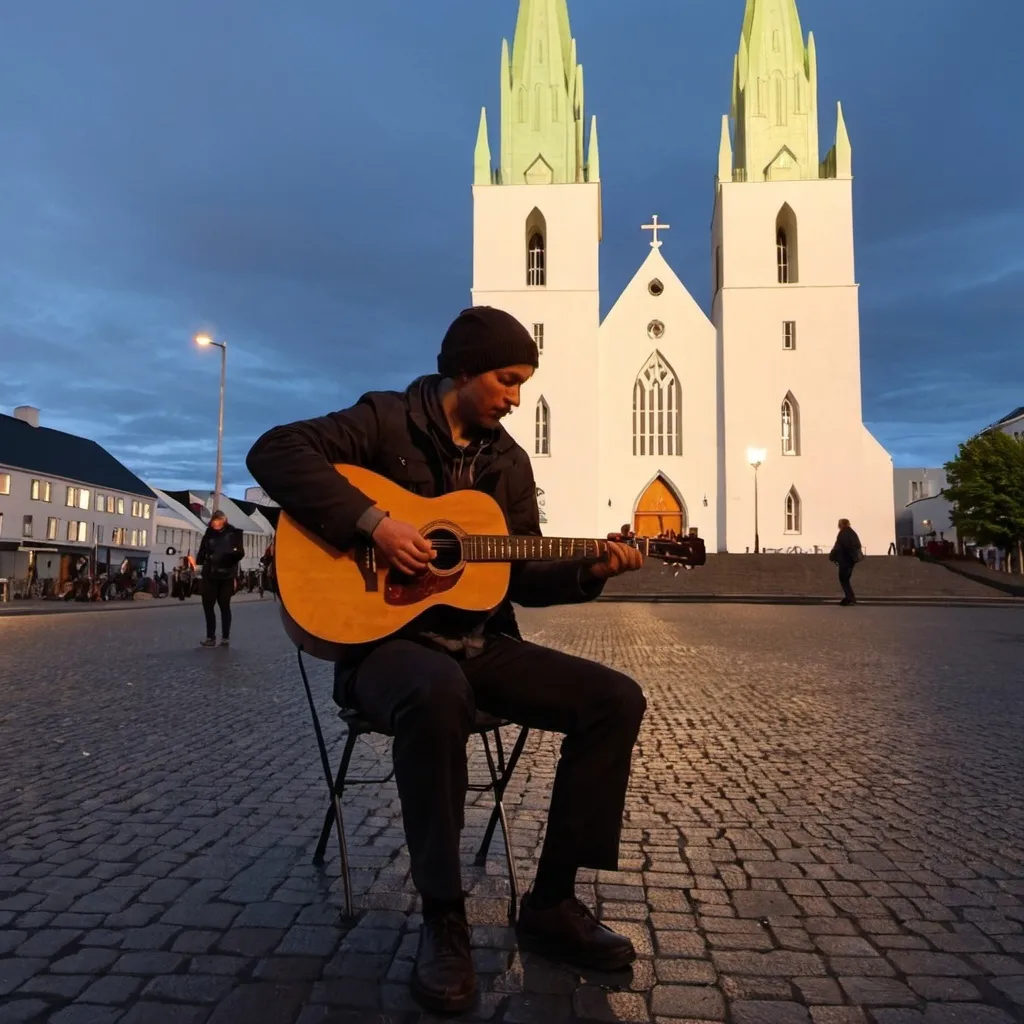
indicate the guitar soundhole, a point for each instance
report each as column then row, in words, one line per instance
column 448, row 548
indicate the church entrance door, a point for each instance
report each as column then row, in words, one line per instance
column 658, row 511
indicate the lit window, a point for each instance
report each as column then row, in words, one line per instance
column 536, row 273
column 790, row 426
column 793, row 524
column 51, row 528
column 120, row 506
column 144, row 538
column 135, row 538
column 35, row 490
column 26, row 526
column 71, row 497
column 542, row 428
column 84, row 497
column 5, row 483
column 72, row 529
column 83, row 533
column 47, row 491
column 145, row 510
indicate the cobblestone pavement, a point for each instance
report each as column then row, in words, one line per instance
column 825, row 825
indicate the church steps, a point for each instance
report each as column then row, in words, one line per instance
column 810, row 577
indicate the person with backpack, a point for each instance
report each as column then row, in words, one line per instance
column 846, row 553
column 219, row 553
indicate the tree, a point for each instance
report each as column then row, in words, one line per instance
column 986, row 487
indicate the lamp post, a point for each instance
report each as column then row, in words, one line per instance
column 756, row 456
column 204, row 340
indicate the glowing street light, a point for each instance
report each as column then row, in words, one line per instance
column 205, row 341
column 756, row 456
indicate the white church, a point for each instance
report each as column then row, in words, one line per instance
column 747, row 425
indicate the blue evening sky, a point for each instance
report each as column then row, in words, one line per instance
column 295, row 175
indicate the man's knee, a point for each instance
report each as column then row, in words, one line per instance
column 623, row 698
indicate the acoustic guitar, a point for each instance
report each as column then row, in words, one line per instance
column 354, row 597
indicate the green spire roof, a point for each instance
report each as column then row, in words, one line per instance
column 542, row 113
column 775, row 95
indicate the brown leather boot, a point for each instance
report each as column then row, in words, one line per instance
column 569, row 932
column 443, row 979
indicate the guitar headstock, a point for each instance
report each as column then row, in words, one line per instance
column 684, row 551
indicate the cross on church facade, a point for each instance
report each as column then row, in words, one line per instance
column 655, row 228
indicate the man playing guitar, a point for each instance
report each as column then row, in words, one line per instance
column 424, row 684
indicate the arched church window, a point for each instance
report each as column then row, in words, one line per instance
column 790, row 426
column 536, row 250
column 786, row 246
column 793, row 512
column 542, row 428
column 657, row 409
column 556, row 107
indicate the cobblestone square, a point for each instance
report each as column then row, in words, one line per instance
column 825, row 826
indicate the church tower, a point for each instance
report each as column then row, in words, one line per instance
column 785, row 306
column 536, row 234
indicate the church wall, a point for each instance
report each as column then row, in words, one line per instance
column 569, row 308
column 688, row 345
column 839, row 469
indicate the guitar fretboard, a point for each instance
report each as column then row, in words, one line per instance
column 479, row 548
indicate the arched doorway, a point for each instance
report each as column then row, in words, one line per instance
column 658, row 510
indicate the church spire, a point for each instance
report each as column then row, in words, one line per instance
column 775, row 95
column 542, row 124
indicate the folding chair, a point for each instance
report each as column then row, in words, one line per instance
column 499, row 766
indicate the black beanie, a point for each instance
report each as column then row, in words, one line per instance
column 483, row 338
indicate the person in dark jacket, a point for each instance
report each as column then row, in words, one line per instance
column 846, row 553
column 220, row 551
column 425, row 685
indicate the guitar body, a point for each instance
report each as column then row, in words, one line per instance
column 333, row 597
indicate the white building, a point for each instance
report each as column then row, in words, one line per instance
column 179, row 532
column 64, row 498
column 1012, row 424
column 647, row 417
column 257, row 531
column 922, row 510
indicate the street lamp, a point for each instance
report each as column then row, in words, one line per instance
column 204, row 340
column 756, row 456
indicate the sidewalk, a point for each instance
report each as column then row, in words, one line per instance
column 40, row 607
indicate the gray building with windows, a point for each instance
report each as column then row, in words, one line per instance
column 67, row 505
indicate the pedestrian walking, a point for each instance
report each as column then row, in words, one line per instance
column 846, row 553
column 220, row 552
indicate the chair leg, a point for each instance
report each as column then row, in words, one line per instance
column 331, row 785
column 500, row 782
column 337, row 792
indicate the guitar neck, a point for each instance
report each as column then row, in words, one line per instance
column 479, row 548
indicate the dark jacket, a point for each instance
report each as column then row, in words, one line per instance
column 847, row 552
column 406, row 438
column 220, row 551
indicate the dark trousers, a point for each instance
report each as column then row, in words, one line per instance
column 218, row 593
column 845, row 572
column 428, row 699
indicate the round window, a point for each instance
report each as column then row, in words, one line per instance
column 655, row 287
column 655, row 329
